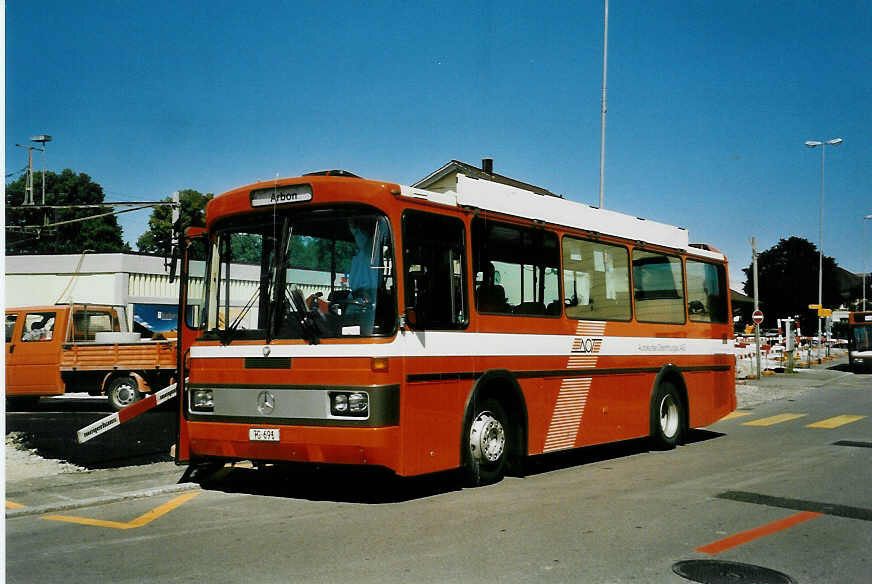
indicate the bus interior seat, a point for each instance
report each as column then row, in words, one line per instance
column 490, row 298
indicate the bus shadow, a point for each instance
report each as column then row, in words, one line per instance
column 592, row 454
column 342, row 484
column 369, row 485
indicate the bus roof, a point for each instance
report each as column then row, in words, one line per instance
column 501, row 198
column 480, row 194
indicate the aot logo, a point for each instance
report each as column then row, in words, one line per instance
column 586, row 345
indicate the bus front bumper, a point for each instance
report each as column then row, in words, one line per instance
column 270, row 443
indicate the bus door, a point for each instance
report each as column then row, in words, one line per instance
column 33, row 352
column 437, row 313
column 192, row 282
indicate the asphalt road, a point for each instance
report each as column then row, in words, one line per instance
column 771, row 487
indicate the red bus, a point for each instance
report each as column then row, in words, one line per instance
column 359, row 322
column 860, row 341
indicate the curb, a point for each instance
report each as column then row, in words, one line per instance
column 105, row 500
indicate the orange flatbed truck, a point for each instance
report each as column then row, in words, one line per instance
column 49, row 353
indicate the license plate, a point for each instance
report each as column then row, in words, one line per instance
column 263, row 434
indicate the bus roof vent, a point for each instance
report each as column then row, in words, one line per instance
column 344, row 173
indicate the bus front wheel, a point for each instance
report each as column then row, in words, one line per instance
column 667, row 417
column 487, row 439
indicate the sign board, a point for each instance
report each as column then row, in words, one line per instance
column 281, row 195
column 757, row 316
column 814, row 306
column 825, row 312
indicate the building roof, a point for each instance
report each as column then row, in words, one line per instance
column 456, row 166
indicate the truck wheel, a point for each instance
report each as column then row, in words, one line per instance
column 122, row 392
column 487, row 443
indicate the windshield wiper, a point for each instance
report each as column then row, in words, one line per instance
column 228, row 334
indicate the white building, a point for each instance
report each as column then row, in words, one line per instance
column 138, row 282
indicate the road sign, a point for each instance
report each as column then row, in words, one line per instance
column 757, row 317
column 814, row 306
column 825, row 312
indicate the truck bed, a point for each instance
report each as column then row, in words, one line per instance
column 144, row 355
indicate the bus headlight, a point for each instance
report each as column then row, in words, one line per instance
column 201, row 400
column 349, row 403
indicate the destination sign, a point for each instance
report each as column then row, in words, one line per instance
column 281, row 195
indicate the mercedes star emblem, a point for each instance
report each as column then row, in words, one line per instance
column 266, row 402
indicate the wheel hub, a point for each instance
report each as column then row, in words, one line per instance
column 668, row 416
column 125, row 393
column 487, row 438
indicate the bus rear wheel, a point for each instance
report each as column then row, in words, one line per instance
column 122, row 392
column 487, row 440
column 667, row 417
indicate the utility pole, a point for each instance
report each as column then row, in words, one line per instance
column 28, row 182
column 756, row 302
column 42, row 139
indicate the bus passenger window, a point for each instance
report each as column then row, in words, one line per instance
column 706, row 292
column 517, row 269
column 658, row 288
column 596, row 280
column 434, row 252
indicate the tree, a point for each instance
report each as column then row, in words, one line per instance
column 788, row 275
column 24, row 235
column 159, row 237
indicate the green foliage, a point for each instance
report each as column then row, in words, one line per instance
column 315, row 253
column 159, row 237
column 788, row 275
column 102, row 234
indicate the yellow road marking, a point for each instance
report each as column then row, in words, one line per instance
column 835, row 422
column 143, row 519
column 772, row 420
column 12, row 505
column 736, row 414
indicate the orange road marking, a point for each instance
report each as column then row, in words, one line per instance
column 835, row 422
column 143, row 519
column 752, row 534
column 735, row 414
column 772, row 420
column 12, row 505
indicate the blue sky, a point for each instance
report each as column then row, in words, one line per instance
column 709, row 104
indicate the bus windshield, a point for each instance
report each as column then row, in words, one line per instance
column 320, row 273
column 862, row 338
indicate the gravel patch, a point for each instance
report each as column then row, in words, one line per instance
column 22, row 462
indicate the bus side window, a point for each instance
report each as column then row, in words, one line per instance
column 596, row 280
column 706, row 292
column 434, row 252
column 517, row 269
column 658, row 288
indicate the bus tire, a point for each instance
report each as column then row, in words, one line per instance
column 123, row 391
column 667, row 417
column 487, row 441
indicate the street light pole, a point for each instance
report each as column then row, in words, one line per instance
column 815, row 144
column 603, row 112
